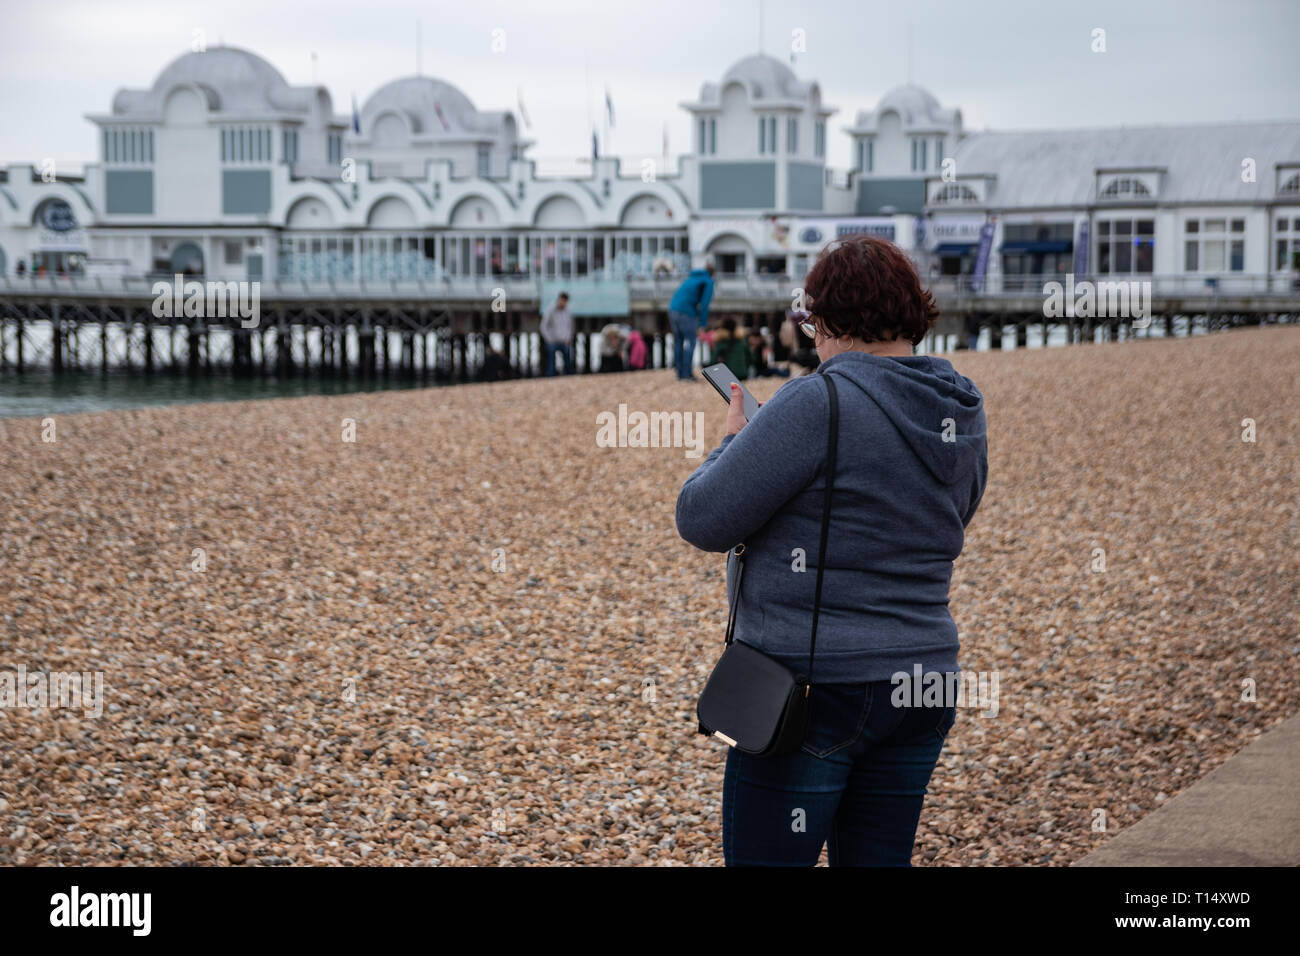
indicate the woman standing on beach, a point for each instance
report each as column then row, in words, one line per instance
column 911, row 469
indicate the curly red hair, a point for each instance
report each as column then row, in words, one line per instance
column 866, row 287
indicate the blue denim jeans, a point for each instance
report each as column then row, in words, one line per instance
column 684, row 329
column 554, row 348
column 856, row 785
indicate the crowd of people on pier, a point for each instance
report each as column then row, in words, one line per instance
column 748, row 352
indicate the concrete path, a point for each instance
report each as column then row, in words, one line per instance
column 1244, row 813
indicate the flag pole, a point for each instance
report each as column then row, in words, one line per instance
column 591, row 119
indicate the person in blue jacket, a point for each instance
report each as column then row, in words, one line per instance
column 688, row 312
column 911, row 469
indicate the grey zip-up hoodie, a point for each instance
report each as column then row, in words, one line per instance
column 557, row 327
column 913, row 463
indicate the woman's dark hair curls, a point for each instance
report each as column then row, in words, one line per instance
column 866, row 287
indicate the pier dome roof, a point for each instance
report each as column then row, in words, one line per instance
column 916, row 107
column 911, row 101
column 418, row 99
column 768, row 82
column 766, row 77
column 231, row 80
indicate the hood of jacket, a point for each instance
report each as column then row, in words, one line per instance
column 939, row 412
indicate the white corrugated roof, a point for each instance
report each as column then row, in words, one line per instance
column 1058, row 167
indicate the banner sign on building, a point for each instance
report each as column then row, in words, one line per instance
column 954, row 229
column 58, row 229
column 767, row 235
column 588, row 296
column 774, row 235
column 813, row 234
column 1081, row 251
column 982, row 257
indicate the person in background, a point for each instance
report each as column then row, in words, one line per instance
column 557, row 334
column 637, row 351
column 705, row 338
column 803, row 357
column 496, row 368
column 21, row 269
column 613, row 343
column 731, row 350
column 758, row 357
column 688, row 312
column 786, row 337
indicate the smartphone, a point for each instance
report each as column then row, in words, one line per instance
column 721, row 377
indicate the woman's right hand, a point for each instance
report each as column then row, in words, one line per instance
column 736, row 419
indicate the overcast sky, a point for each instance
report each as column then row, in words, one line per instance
column 1006, row 63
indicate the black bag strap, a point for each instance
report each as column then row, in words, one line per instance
column 832, row 448
column 739, row 552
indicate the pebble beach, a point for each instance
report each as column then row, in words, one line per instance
column 470, row 635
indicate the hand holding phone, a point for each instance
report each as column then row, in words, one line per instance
column 721, row 378
column 736, row 418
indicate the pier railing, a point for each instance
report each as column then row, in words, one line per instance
column 446, row 328
column 1009, row 293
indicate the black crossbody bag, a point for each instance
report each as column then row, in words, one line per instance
column 752, row 702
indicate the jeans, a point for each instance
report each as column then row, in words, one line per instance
column 562, row 348
column 684, row 329
column 857, row 784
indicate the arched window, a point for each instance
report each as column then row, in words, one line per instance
column 955, row 193
column 1125, row 189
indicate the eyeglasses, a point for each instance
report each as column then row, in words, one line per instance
column 808, row 329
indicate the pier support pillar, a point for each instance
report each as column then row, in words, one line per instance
column 56, row 339
column 281, row 358
column 366, row 347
